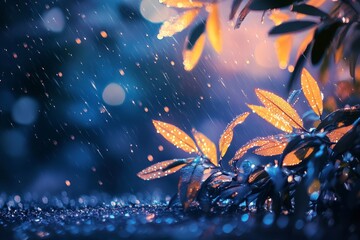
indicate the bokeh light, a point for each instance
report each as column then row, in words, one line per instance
column 54, row 20
column 25, row 111
column 155, row 12
column 113, row 94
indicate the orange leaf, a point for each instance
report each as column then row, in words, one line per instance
column 283, row 46
column 176, row 136
column 228, row 134
column 297, row 156
column 272, row 148
column 269, row 116
column 191, row 56
column 157, row 170
column 213, row 27
column 207, row 147
column 181, row 3
column 177, row 24
column 280, row 107
column 338, row 133
column 257, row 142
column 312, row 92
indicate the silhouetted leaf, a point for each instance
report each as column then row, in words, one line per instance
column 242, row 15
column 280, row 107
column 262, row 5
column 339, row 118
column 299, row 66
column 234, row 7
column 194, row 35
column 312, row 92
column 207, row 147
column 194, row 46
column 309, row 10
column 352, row 64
column 300, row 148
column 324, row 35
column 213, row 27
column 291, row 27
column 227, row 136
column 177, row 24
column 190, row 182
column 348, row 141
column 162, row 169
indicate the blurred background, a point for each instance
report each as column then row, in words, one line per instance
column 80, row 82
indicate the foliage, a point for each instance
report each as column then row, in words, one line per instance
column 313, row 168
column 332, row 35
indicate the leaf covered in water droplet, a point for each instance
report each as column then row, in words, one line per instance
column 177, row 24
column 162, row 169
column 207, row 147
column 272, row 118
column 176, row 136
column 228, row 134
column 312, row 92
column 280, row 107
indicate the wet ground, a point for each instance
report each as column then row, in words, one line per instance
column 102, row 217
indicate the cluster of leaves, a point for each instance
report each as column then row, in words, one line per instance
column 332, row 35
column 318, row 167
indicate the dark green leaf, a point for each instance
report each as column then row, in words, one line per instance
column 299, row 66
column 242, row 15
column 348, row 141
column 339, row 118
column 263, row 5
column 234, row 7
column 190, row 183
column 291, row 27
column 309, row 10
column 323, row 38
column 195, row 34
column 352, row 64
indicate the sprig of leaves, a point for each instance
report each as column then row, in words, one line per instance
column 324, row 161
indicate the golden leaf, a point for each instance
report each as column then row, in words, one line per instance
column 283, row 46
column 207, row 147
column 213, row 27
column 297, row 156
column 177, row 24
column 176, row 136
column 338, row 133
column 157, row 170
column 257, row 142
column 280, row 107
column 269, row 116
column 191, row 56
column 227, row 136
column 272, row 148
column 181, row 3
column 312, row 92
